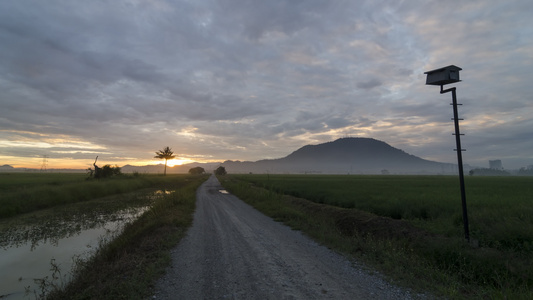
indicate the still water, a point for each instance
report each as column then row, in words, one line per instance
column 29, row 244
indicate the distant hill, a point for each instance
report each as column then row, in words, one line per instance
column 145, row 169
column 345, row 156
column 159, row 168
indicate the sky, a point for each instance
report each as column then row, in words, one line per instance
column 249, row 80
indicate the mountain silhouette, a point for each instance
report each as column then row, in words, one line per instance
column 345, row 155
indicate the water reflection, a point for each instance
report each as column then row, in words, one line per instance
column 28, row 243
column 56, row 227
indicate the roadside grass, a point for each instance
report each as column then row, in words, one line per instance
column 128, row 266
column 410, row 227
column 26, row 192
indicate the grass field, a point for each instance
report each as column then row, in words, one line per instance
column 25, row 192
column 411, row 226
column 18, row 181
column 500, row 208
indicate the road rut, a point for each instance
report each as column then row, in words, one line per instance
column 232, row 251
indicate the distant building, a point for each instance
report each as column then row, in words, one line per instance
column 495, row 164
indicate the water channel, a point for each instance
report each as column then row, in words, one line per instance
column 31, row 244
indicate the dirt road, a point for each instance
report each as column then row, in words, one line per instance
column 232, row 251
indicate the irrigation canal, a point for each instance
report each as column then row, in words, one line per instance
column 31, row 244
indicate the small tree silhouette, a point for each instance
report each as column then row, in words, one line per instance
column 220, row 171
column 166, row 154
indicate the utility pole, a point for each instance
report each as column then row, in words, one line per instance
column 443, row 76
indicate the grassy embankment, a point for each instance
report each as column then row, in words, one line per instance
column 127, row 267
column 410, row 227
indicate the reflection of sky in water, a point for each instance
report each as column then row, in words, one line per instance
column 28, row 243
column 20, row 266
column 54, row 228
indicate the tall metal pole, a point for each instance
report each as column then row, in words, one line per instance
column 459, row 158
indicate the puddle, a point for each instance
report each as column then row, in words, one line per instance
column 223, row 191
column 28, row 243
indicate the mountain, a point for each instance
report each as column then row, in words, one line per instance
column 345, row 155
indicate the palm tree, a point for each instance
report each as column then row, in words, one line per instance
column 166, row 154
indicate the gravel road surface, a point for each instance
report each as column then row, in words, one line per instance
column 232, row 251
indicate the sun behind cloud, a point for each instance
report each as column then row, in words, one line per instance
column 177, row 162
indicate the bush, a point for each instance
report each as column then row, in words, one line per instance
column 196, row 171
column 104, row 172
column 220, row 171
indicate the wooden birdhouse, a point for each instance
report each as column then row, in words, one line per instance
column 442, row 76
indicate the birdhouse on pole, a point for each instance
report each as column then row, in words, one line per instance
column 442, row 76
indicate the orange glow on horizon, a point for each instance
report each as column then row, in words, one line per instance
column 177, row 162
column 83, row 164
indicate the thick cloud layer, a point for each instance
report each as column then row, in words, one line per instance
column 248, row 80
